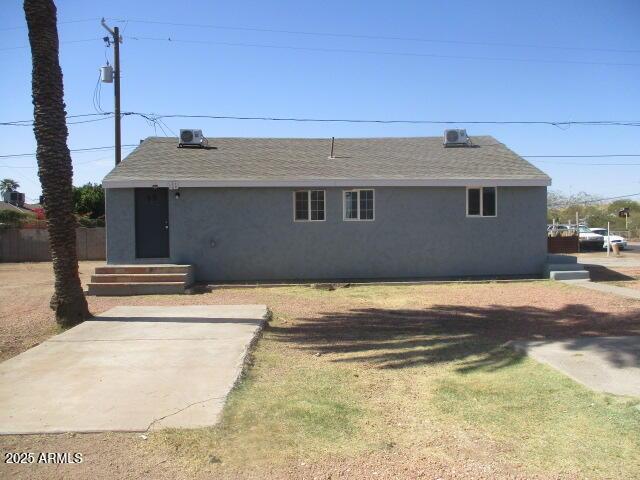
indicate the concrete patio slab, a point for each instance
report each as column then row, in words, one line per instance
column 130, row 369
column 604, row 364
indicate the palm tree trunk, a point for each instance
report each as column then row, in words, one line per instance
column 54, row 161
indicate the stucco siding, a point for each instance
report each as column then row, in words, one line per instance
column 249, row 234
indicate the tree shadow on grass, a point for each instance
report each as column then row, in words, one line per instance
column 471, row 336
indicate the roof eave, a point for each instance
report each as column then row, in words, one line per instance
column 324, row 182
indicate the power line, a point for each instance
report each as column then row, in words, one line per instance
column 379, row 52
column 19, row 47
column 604, row 155
column 564, row 123
column 76, row 164
column 587, row 164
column 159, row 121
column 585, row 156
column 585, row 202
column 23, row 27
column 95, row 160
column 28, row 123
column 89, row 149
column 152, row 116
column 375, row 37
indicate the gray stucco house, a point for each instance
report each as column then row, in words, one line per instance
column 280, row 209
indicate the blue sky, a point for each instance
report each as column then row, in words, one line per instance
column 214, row 79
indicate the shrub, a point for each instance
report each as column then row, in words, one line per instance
column 88, row 222
column 13, row 218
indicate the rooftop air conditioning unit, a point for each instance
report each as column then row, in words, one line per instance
column 192, row 138
column 456, row 138
column 15, row 198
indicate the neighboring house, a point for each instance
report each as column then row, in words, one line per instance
column 15, row 208
column 278, row 209
column 14, row 201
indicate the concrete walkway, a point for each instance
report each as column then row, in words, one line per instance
column 604, row 364
column 130, row 369
column 603, row 287
column 629, row 258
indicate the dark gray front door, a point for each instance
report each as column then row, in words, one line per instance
column 152, row 223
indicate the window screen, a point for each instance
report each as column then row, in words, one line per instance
column 489, row 201
column 351, row 205
column 317, row 205
column 366, row 204
column 302, row 206
column 473, row 201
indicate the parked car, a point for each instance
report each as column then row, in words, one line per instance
column 557, row 226
column 589, row 240
column 621, row 241
column 560, row 228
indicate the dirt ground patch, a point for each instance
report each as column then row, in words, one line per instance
column 610, row 274
column 25, row 291
column 370, row 382
column 635, row 284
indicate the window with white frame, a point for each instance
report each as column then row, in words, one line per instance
column 482, row 202
column 309, row 205
column 358, row 205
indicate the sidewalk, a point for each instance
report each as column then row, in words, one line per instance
column 603, row 287
column 604, row 364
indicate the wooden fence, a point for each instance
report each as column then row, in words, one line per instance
column 32, row 244
column 563, row 244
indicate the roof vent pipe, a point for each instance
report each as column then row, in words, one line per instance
column 332, row 142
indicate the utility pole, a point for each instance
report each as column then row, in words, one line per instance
column 116, row 39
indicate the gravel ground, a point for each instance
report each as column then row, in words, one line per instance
column 604, row 274
column 500, row 310
column 25, row 291
column 635, row 284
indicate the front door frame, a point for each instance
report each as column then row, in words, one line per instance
column 167, row 226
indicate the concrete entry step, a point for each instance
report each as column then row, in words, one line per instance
column 137, row 288
column 569, row 275
column 122, row 280
column 567, row 267
column 556, row 258
column 142, row 269
column 138, row 278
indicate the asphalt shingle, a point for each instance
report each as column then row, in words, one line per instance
column 304, row 159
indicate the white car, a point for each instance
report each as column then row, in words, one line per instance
column 621, row 241
column 589, row 240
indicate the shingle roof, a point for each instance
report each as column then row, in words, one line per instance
column 9, row 206
column 292, row 161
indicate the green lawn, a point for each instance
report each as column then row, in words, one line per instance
column 334, row 378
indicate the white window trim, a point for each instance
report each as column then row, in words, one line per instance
column 308, row 192
column 344, row 205
column 480, row 215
